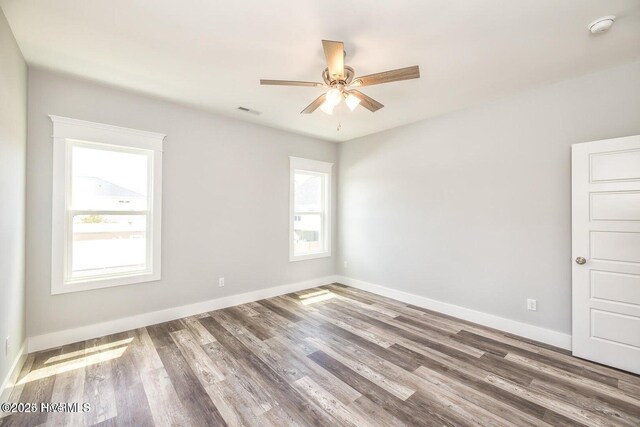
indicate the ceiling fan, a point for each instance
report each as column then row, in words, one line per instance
column 340, row 81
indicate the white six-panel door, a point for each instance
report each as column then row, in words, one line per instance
column 606, row 251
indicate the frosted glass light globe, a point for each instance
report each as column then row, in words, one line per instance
column 352, row 102
column 333, row 97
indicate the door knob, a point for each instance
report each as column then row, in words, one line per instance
column 580, row 260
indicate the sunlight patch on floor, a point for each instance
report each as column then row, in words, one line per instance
column 314, row 297
column 87, row 351
column 70, row 365
column 313, row 293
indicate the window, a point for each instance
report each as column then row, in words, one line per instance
column 107, row 187
column 310, row 209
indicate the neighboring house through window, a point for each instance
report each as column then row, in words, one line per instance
column 310, row 209
column 107, row 188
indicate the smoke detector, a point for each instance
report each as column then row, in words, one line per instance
column 601, row 25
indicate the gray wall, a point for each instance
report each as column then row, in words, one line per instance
column 225, row 204
column 13, row 144
column 473, row 208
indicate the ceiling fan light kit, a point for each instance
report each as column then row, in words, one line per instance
column 340, row 80
column 327, row 107
column 351, row 101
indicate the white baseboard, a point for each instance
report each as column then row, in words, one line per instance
column 68, row 336
column 12, row 376
column 526, row 330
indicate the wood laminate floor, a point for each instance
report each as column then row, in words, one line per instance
column 327, row 356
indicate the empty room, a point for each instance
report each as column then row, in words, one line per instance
column 304, row 213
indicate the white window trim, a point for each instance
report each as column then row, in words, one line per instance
column 65, row 131
column 297, row 163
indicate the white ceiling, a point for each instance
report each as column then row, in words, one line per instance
column 211, row 54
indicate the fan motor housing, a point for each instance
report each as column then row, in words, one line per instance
column 349, row 76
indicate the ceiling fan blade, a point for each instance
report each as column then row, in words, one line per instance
column 334, row 51
column 387, row 76
column 314, row 105
column 366, row 101
column 289, row 83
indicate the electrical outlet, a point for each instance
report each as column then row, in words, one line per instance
column 346, row 264
column 221, row 282
column 532, row 305
column 7, row 345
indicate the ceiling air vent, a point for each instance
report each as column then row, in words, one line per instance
column 249, row 110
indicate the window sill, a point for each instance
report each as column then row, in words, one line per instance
column 294, row 258
column 107, row 282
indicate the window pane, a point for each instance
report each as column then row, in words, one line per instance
column 108, row 180
column 106, row 244
column 307, row 233
column 308, row 192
